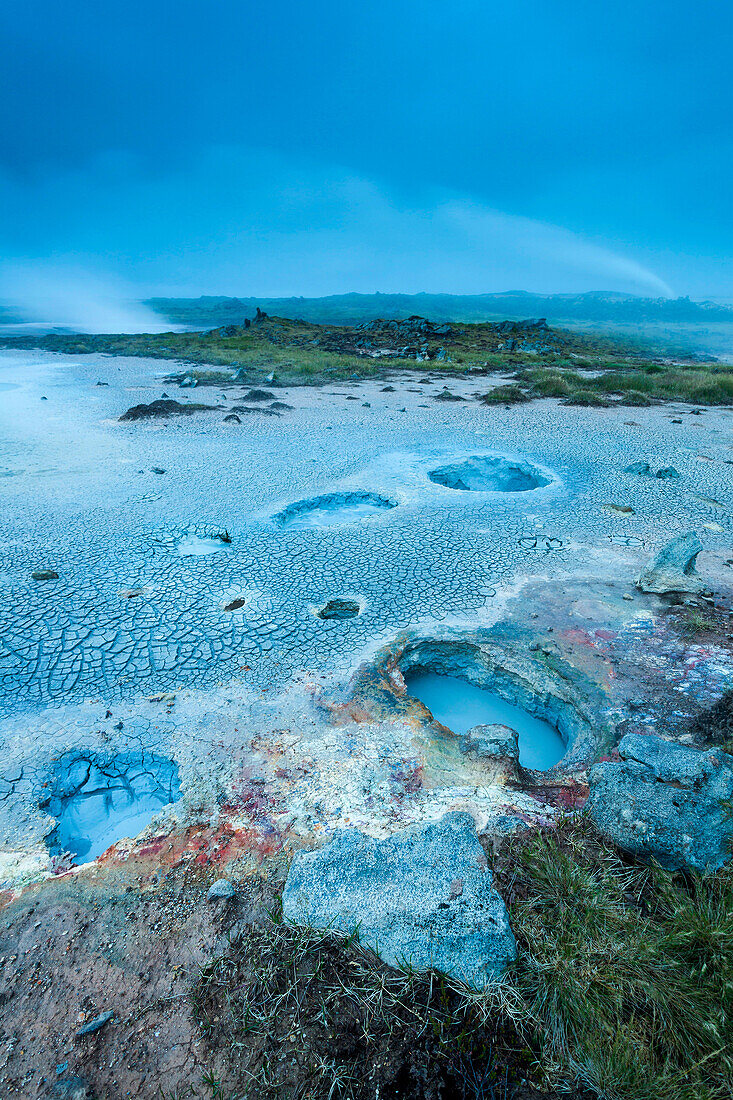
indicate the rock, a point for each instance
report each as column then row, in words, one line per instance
column 258, row 395
column 339, row 609
column 69, row 1088
column 642, row 468
column 492, row 740
column 235, row 604
column 162, row 407
column 673, row 569
column 232, row 418
column 188, row 382
column 716, row 723
column 668, row 472
column 157, row 470
column 665, row 801
column 222, row 890
column 446, row 395
column 422, row 897
column 44, row 575
column 95, row 1024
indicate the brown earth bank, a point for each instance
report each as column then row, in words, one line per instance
column 622, row 988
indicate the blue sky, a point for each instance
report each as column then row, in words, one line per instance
column 229, row 147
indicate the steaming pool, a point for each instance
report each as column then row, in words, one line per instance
column 459, row 705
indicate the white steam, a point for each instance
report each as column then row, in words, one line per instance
column 249, row 222
column 68, row 297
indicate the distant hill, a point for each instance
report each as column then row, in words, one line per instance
column 596, row 306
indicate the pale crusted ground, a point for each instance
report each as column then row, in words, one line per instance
column 132, row 649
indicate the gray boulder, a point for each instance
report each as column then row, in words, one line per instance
column 222, row 890
column 421, row 898
column 667, row 802
column 673, row 569
column 493, row 739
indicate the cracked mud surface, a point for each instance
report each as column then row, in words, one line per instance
column 183, row 626
column 175, row 578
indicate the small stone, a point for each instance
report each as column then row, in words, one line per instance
column 628, row 596
column 157, row 470
column 668, row 472
column 641, row 468
column 222, row 889
column 95, row 1024
column 339, row 609
column 44, row 575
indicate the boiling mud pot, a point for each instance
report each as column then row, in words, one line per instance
column 489, row 474
column 97, row 803
column 332, row 510
column 195, row 546
column 459, row 705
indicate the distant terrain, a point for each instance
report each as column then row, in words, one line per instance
column 532, row 359
column 596, row 306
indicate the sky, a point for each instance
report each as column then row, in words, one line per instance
column 226, row 147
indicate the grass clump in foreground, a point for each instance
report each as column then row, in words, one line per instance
column 625, row 973
column 623, row 990
column 694, row 384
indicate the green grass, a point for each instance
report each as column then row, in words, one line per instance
column 561, row 364
column 625, row 972
column 622, row 990
column 708, row 384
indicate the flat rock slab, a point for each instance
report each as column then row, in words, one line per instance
column 667, row 802
column 422, row 898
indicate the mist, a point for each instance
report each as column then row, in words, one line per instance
column 251, row 222
column 60, row 296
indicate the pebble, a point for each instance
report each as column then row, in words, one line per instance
column 95, row 1024
column 222, row 888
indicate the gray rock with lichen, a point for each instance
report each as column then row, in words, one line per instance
column 667, row 802
column 494, row 739
column 673, row 569
column 423, row 897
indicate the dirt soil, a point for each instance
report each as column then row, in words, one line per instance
column 126, row 941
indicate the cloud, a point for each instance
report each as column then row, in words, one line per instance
column 250, row 222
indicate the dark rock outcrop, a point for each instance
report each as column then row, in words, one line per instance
column 162, row 408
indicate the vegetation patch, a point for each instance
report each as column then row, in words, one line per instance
column 287, row 1012
column 623, row 990
column 578, row 368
